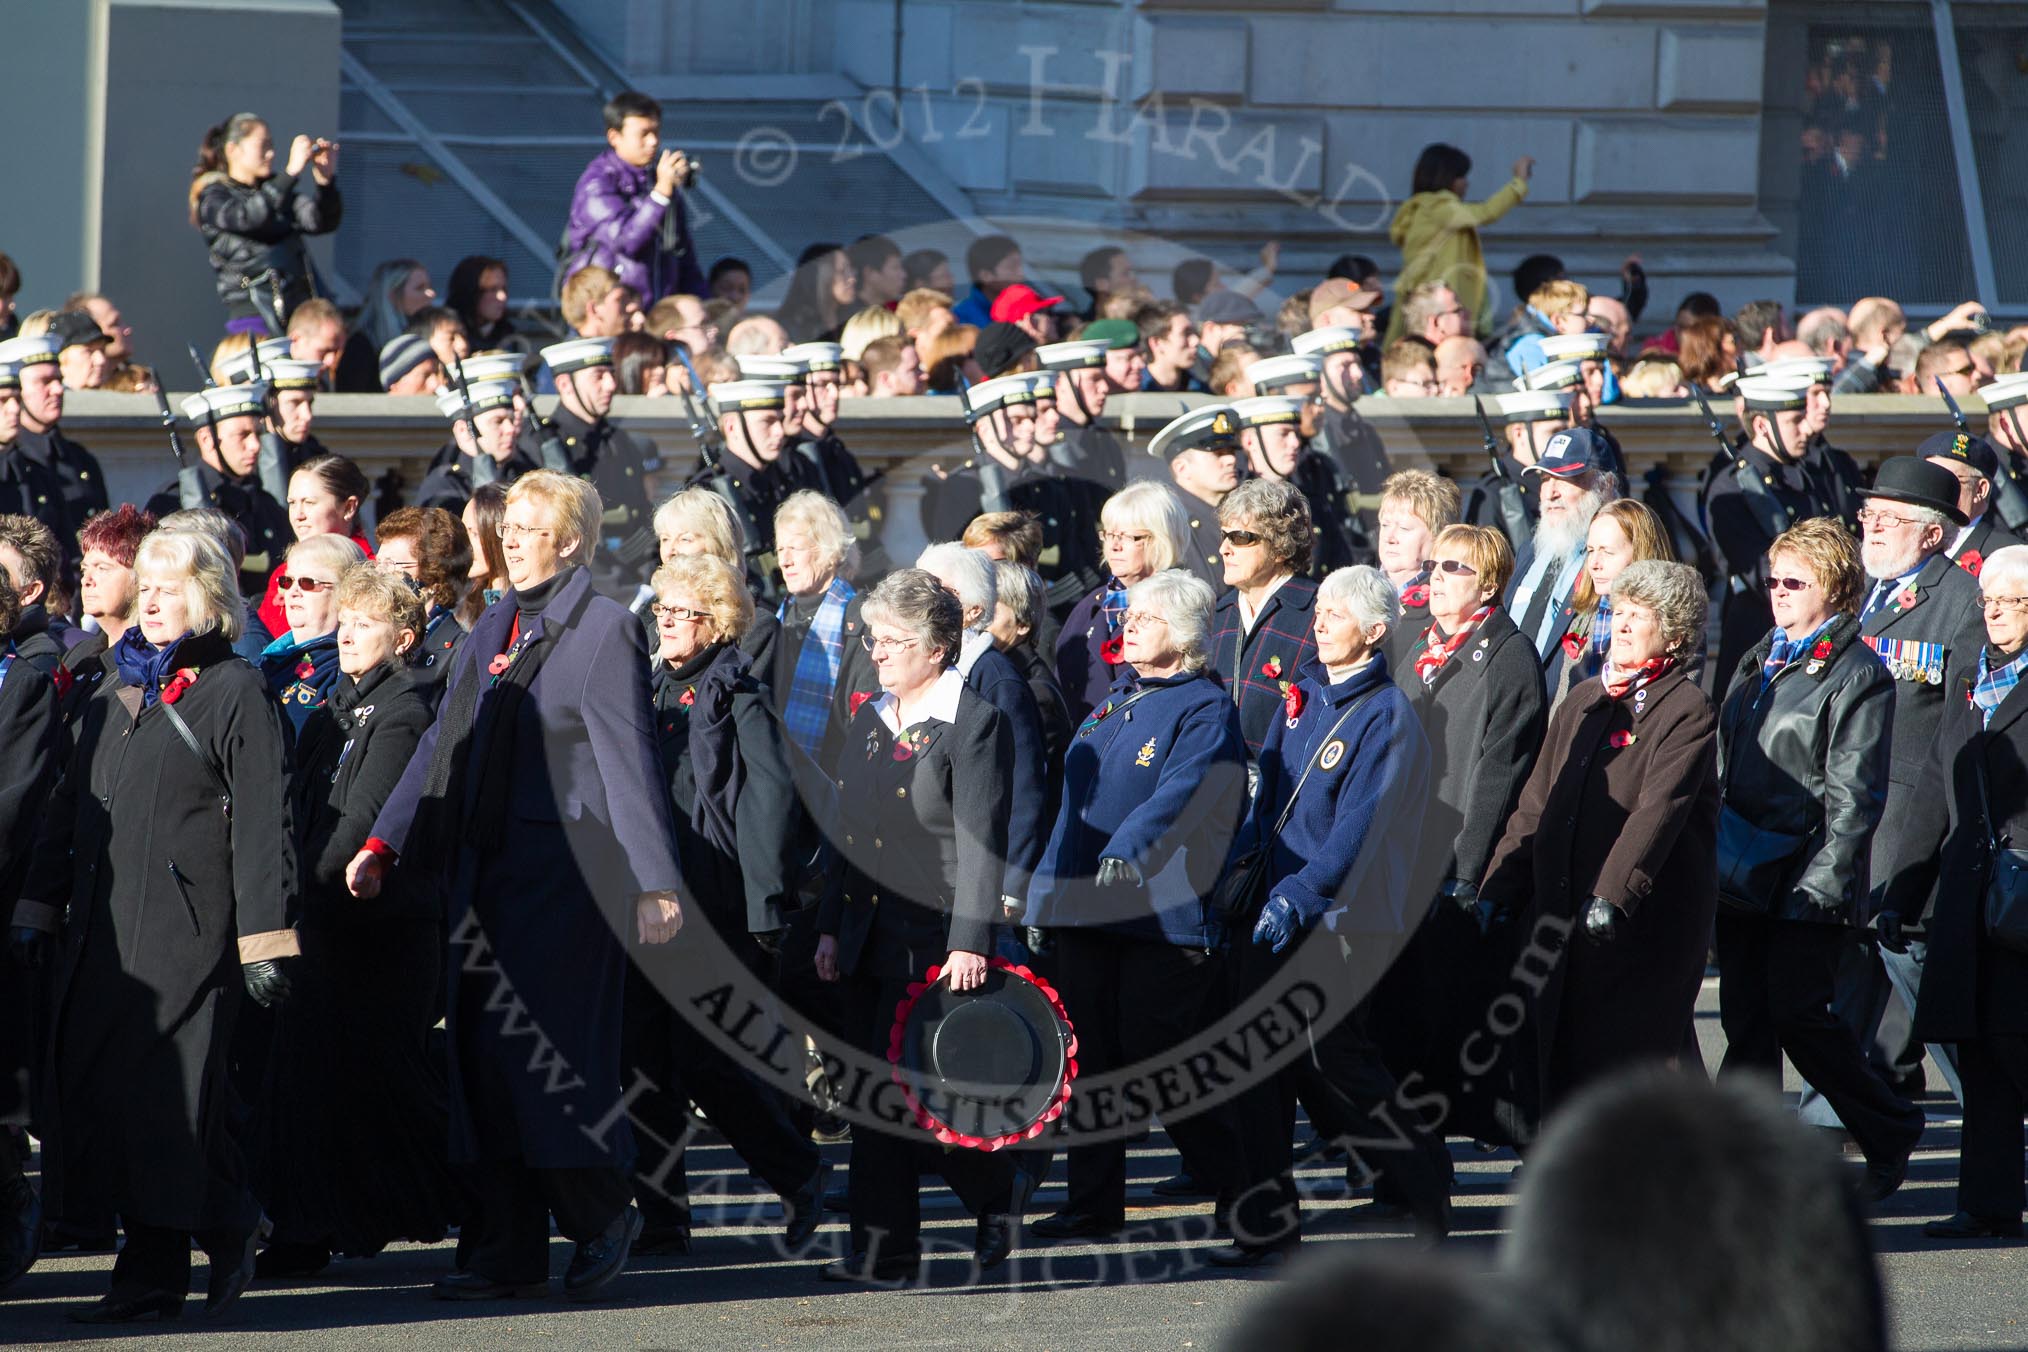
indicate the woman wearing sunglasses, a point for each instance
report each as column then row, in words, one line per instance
column 1803, row 759
column 301, row 666
column 326, row 494
column 1261, row 633
column 1472, row 678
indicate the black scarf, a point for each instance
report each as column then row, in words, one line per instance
column 710, row 741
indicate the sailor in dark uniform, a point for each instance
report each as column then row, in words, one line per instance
column 1088, row 448
column 487, row 367
column 1530, row 418
column 2007, row 429
column 483, row 435
column 1834, row 474
column 751, row 476
column 1344, row 436
column 1763, row 492
column 1297, row 379
column 616, row 462
column 1001, row 414
column 226, row 422
column 1975, row 463
column 80, row 483
column 828, row 465
column 285, row 431
column 26, row 488
column 1203, row 453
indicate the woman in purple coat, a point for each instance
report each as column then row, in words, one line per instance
column 535, row 801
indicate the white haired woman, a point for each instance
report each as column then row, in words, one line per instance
column 697, row 521
column 934, row 774
column 535, row 804
column 1145, row 530
column 1342, row 855
column 1153, row 789
column 1615, row 841
column 157, row 893
column 819, row 663
column 301, row 666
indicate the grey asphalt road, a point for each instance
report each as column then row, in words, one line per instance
column 736, row 1291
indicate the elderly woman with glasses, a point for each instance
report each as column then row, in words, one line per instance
column 535, row 810
column 1611, row 850
column 923, row 801
column 1625, row 531
column 1145, row 530
column 697, row 521
column 739, row 831
column 1153, row 790
column 301, row 666
column 1261, row 633
column 1802, row 756
column 1967, row 822
column 820, row 660
column 429, row 547
column 156, row 894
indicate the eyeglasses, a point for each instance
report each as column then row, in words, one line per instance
column 1140, row 619
column 1125, row 537
column 1242, row 538
column 510, row 533
column 876, row 646
column 1885, row 520
column 307, row 584
column 1457, row 567
column 2017, row 604
column 1789, row 584
column 662, row 612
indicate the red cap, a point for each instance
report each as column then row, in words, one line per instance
column 1019, row 301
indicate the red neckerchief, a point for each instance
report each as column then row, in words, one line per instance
column 1437, row 651
column 1619, row 683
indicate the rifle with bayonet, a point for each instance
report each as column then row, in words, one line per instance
column 271, row 467
column 189, row 479
column 1509, row 502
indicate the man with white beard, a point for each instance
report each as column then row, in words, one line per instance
column 1575, row 484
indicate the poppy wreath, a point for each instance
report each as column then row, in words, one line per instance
column 928, row 1121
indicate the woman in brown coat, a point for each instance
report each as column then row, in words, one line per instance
column 1609, row 862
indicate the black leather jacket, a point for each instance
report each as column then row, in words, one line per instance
column 251, row 229
column 1806, row 758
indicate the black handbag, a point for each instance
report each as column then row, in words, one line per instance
column 2005, row 905
column 1238, row 892
column 1754, row 864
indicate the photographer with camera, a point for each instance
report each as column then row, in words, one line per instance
column 627, row 212
column 254, row 220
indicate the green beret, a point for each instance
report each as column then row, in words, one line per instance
column 1118, row 333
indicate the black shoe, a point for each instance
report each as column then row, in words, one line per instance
column 1182, row 1185
column 806, row 1208
column 891, row 1271
column 280, row 1262
column 993, row 1239
column 1249, row 1255
column 1077, row 1225
column 1881, row 1181
column 60, row 1238
column 468, row 1285
column 1965, row 1225
column 598, row 1261
column 657, row 1241
column 20, row 1233
column 231, row 1273
column 114, row 1308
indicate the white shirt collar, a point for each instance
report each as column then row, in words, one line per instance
column 941, row 703
column 970, row 648
column 1248, row 616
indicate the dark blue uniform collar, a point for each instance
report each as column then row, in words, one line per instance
column 1358, row 683
column 1129, row 680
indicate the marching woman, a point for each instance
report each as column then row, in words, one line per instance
column 1144, row 530
column 301, row 666
column 1343, row 783
column 1153, row 789
column 1625, row 531
column 1802, row 760
column 166, row 872
column 429, row 547
column 488, row 581
column 105, row 595
column 922, row 807
column 1473, row 679
column 1611, row 850
column 739, row 827
column 326, row 494
column 535, row 803
column 698, row 521
column 1260, row 635
column 356, row 1111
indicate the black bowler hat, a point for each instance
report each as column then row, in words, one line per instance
column 1964, row 448
column 987, row 1068
column 1913, row 480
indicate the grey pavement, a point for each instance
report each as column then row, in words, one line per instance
column 1151, row 1290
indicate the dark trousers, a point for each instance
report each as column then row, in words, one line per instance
column 1130, row 999
column 884, row 1186
column 507, row 1239
column 660, row 1046
column 157, row 1259
column 1995, row 1071
column 1777, row 981
column 1351, row 1097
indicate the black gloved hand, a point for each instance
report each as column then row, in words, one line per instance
column 29, row 945
column 1601, row 921
column 1037, row 938
column 1463, row 895
column 1891, row 937
column 266, row 981
column 1119, row 873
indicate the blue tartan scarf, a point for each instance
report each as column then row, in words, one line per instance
column 1784, row 650
column 1992, row 687
column 1601, row 637
column 809, row 706
column 1113, row 605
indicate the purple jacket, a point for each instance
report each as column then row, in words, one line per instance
column 616, row 223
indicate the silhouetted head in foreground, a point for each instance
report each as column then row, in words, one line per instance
column 1390, row 1300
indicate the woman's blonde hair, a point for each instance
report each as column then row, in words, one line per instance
column 719, row 589
column 335, row 552
column 1431, row 497
column 1154, row 508
column 1832, row 555
column 1645, row 533
column 210, row 583
column 875, row 321
column 704, row 512
column 1484, row 548
column 573, row 506
column 384, row 593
